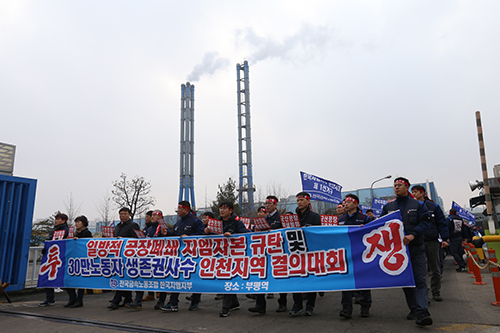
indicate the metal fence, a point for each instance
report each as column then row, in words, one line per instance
column 34, row 260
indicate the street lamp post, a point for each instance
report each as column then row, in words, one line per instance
column 371, row 187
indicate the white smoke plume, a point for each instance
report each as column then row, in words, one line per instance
column 210, row 63
column 305, row 45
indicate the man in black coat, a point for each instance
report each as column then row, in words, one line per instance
column 273, row 219
column 124, row 229
column 187, row 225
column 416, row 220
column 60, row 223
column 353, row 216
column 231, row 224
column 307, row 218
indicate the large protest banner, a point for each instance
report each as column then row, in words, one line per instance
column 318, row 258
column 321, row 189
column 463, row 213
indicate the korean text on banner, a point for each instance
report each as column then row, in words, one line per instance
column 319, row 258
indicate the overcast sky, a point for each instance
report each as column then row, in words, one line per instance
column 350, row 91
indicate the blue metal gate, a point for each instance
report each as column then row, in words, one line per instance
column 17, row 202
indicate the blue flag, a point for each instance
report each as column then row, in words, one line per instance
column 378, row 203
column 463, row 213
column 321, row 189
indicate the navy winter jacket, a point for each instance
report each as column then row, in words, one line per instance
column 415, row 215
column 358, row 218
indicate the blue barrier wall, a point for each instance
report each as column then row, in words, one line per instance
column 17, row 202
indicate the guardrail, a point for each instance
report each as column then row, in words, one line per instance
column 34, row 260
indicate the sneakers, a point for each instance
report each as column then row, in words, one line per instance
column 158, row 305
column 70, row 303
column 77, row 305
column 47, row 303
column 437, row 297
column 113, row 306
column 412, row 315
column 224, row 312
column 309, row 311
column 461, row 269
column 423, row 320
column 194, row 306
column 234, row 307
column 346, row 313
column 148, row 298
column 257, row 309
column 170, row 308
column 134, row 306
column 281, row 308
column 296, row 309
column 365, row 312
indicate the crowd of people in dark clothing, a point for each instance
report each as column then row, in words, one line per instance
column 428, row 235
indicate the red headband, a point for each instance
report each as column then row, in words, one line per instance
column 182, row 206
column 272, row 200
column 304, row 196
column 351, row 199
column 157, row 213
column 400, row 181
column 263, row 210
column 423, row 191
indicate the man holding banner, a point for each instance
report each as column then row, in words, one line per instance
column 124, row 229
column 188, row 225
column 61, row 228
column 416, row 220
column 273, row 219
column 307, row 218
column 354, row 216
column 231, row 224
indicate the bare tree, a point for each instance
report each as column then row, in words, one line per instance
column 133, row 194
column 276, row 189
column 72, row 209
column 104, row 208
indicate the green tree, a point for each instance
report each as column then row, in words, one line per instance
column 227, row 192
column 41, row 230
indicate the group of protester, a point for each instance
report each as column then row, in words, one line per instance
column 427, row 231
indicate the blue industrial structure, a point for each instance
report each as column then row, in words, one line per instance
column 186, row 188
column 17, row 202
column 246, row 188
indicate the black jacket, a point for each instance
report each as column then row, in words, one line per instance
column 85, row 233
column 274, row 220
column 308, row 217
column 64, row 227
column 233, row 225
column 457, row 227
column 188, row 225
column 126, row 229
